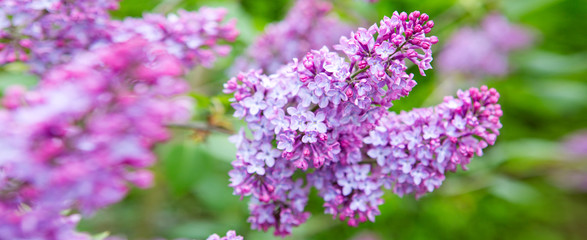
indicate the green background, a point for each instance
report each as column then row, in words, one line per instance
column 518, row 190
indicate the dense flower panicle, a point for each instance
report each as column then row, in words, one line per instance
column 50, row 31
column 307, row 105
column 87, row 131
column 483, row 51
column 415, row 149
column 307, row 26
column 53, row 34
column 314, row 114
column 193, row 37
column 277, row 199
column 38, row 224
column 84, row 133
column 351, row 192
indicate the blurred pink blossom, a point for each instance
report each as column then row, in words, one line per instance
column 483, row 50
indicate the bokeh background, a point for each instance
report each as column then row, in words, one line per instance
column 531, row 185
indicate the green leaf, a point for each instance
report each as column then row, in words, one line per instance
column 553, row 63
column 181, row 165
column 514, row 191
column 522, row 7
column 8, row 79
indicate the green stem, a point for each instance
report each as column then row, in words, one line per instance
column 201, row 126
column 359, row 71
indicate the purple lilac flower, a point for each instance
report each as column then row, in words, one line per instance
column 230, row 235
column 40, row 224
column 50, row 32
column 483, row 51
column 462, row 127
column 50, row 29
column 349, row 192
column 193, row 37
column 277, row 199
column 84, row 134
column 576, row 143
column 574, row 147
column 328, row 105
column 306, row 26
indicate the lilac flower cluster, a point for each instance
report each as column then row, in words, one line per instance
column 193, row 37
column 31, row 30
column 306, row 26
column 83, row 134
column 277, row 199
column 415, row 149
column 479, row 52
column 328, row 117
column 75, row 142
column 49, row 32
column 38, row 224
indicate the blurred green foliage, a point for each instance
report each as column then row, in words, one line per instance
column 512, row 192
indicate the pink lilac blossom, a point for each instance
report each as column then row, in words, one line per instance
column 84, row 133
column 327, row 117
column 483, row 51
column 77, row 140
column 415, row 149
column 193, row 37
column 576, row 143
column 31, row 30
column 230, row 235
column 307, row 26
column 573, row 174
column 38, row 224
column 44, row 35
